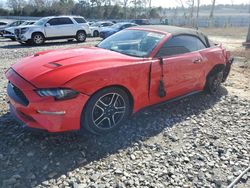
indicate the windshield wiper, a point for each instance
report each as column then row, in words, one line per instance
column 121, row 52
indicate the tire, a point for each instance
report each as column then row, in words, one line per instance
column 106, row 110
column 13, row 39
column 81, row 36
column 95, row 34
column 38, row 39
column 213, row 82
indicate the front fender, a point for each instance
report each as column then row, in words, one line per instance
column 134, row 78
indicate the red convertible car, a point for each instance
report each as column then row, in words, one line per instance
column 97, row 88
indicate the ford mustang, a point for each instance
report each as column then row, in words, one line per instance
column 97, row 88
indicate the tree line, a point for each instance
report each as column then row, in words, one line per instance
column 106, row 9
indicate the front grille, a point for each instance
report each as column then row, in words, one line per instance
column 15, row 93
column 102, row 34
column 17, row 31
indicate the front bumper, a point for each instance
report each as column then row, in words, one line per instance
column 22, row 38
column 227, row 69
column 103, row 35
column 9, row 35
column 43, row 112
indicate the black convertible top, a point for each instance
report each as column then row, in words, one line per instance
column 177, row 31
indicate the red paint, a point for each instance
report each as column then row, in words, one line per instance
column 88, row 70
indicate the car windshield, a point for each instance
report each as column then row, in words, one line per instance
column 96, row 24
column 41, row 21
column 26, row 23
column 132, row 42
column 12, row 24
column 116, row 26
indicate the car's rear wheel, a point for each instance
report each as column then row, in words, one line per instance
column 96, row 34
column 214, row 81
column 38, row 38
column 106, row 110
column 81, row 36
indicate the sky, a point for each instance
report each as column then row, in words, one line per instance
column 174, row 3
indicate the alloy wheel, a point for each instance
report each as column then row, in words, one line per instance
column 81, row 37
column 38, row 39
column 108, row 111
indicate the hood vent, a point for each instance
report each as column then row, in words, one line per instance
column 53, row 65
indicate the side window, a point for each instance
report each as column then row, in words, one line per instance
column 105, row 24
column 79, row 20
column 54, row 21
column 64, row 21
column 180, row 45
column 126, row 26
column 109, row 24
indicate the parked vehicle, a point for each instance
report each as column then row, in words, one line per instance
column 11, row 24
column 3, row 23
column 96, row 27
column 97, row 88
column 90, row 23
column 106, row 32
column 51, row 28
column 141, row 21
column 10, row 31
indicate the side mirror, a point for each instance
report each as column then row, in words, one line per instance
column 47, row 24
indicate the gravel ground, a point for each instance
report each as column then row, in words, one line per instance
column 199, row 141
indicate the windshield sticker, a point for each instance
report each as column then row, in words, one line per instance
column 156, row 35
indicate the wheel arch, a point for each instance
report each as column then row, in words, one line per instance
column 81, row 30
column 128, row 92
column 37, row 32
column 215, row 69
column 84, row 110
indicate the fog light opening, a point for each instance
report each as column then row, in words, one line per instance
column 51, row 113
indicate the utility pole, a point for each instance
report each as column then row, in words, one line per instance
column 197, row 13
column 247, row 43
column 212, row 10
column 149, row 9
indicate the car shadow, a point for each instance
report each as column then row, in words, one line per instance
column 42, row 154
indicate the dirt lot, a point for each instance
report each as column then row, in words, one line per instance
column 200, row 141
column 232, row 39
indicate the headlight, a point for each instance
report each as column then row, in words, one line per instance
column 57, row 93
column 24, row 30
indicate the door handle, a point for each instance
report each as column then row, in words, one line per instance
column 198, row 60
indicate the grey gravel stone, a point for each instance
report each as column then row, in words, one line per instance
column 199, row 141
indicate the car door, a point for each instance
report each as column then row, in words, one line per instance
column 183, row 67
column 51, row 27
column 66, row 27
column 59, row 27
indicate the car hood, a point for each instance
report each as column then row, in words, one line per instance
column 4, row 27
column 93, row 27
column 10, row 29
column 55, row 68
column 27, row 26
column 108, row 30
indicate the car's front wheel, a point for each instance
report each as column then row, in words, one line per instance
column 214, row 81
column 81, row 36
column 106, row 110
column 38, row 38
